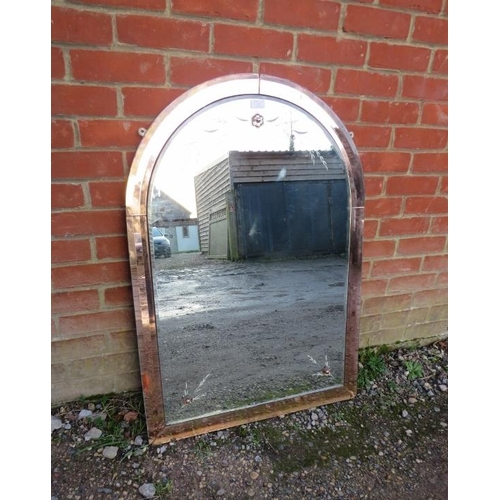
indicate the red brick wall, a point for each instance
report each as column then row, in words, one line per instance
column 380, row 64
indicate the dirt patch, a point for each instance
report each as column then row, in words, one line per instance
column 389, row 443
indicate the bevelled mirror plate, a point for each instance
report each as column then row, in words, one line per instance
column 245, row 223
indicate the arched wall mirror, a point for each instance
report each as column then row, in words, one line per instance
column 245, row 223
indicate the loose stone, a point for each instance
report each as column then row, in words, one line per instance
column 110, row 451
column 93, row 433
column 254, row 475
column 84, row 414
column 147, row 490
column 56, row 423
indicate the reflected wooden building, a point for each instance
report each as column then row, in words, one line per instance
column 273, row 205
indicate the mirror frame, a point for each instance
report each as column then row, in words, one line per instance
column 138, row 186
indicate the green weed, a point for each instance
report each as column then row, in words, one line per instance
column 414, row 369
column 371, row 366
column 163, row 489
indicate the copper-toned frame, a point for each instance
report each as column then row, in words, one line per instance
column 150, row 149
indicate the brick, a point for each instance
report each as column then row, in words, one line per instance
column 90, row 274
column 366, row 136
column 244, row 10
column 75, row 301
column 395, row 266
column 421, row 87
column 127, row 67
column 439, row 225
column 86, row 165
column 132, row 4
column 315, row 14
column 69, row 349
column 67, row 196
column 57, row 63
column 435, row 114
column 70, row 250
column 62, row 135
column 370, row 323
column 386, row 304
column 61, row 391
column 426, row 205
column 431, row 30
column 316, row 80
column 101, row 365
column 417, row 282
column 442, row 279
column 123, row 341
column 252, row 42
column 402, row 227
column 87, row 223
column 440, row 64
column 383, row 207
column 77, row 26
column 389, row 112
column 365, row 269
column 408, row 185
column 107, row 194
column 345, row 108
column 430, row 162
column 417, row 315
column 387, row 336
column 129, row 158
column 370, row 229
column 429, row 6
column 147, row 101
column 430, row 297
column 378, row 248
column 57, row 371
column 420, row 138
column 349, row 81
column 375, row 21
column 394, row 320
column 444, row 185
column 112, row 247
column 130, row 381
column 426, row 330
column 191, row 71
column 400, row 57
column 435, row 263
column 162, row 33
column 376, row 162
column 373, row 186
column 83, row 100
column 414, row 246
column 111, row 133
column 331, row 50
column 118, row 296
column 437, row 313
column 373, row 287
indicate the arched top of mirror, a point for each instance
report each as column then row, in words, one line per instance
column 231, row 92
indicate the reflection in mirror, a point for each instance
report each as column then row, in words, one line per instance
column 249, row 219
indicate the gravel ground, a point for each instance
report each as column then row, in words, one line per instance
column 389, row 442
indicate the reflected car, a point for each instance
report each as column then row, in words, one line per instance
column 161, row 244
